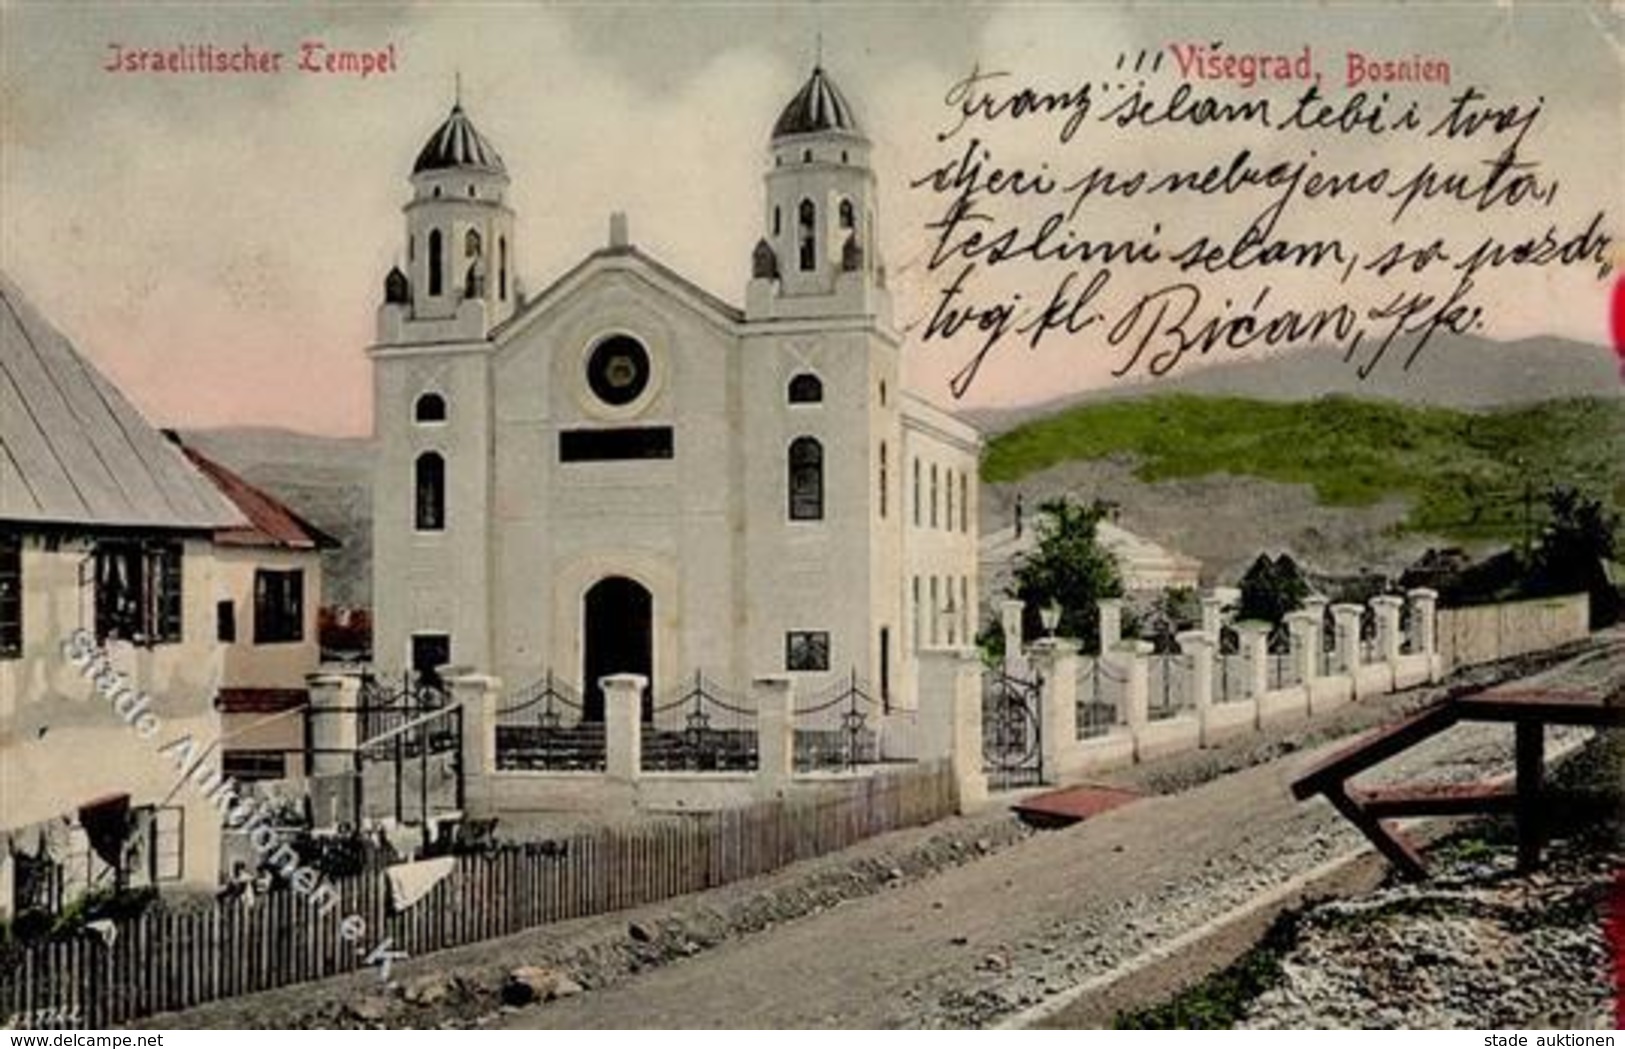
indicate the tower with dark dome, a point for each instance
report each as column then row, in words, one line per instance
column 459, row 238
column 817, row 255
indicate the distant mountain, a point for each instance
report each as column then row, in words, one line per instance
column 1456, row 372
column 326, row 479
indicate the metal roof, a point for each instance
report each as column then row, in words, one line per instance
column 271, row 522
column 457, row 144
column 74, row 451
column 818, row 106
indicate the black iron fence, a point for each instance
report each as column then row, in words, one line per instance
column 700, row 727
column 1099, row 696
column 544, row 727
column 838, row 727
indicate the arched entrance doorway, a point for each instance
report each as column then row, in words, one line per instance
column 618, row 638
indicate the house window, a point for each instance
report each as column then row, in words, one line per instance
column 806, row 480
column 807, row 217
column 430, row 408
column 168, row 844
column 806, row 650
column 225, row 621
column 933, row 495
column 246, row 765
column 948, row 493
column 138, row 592
column 806, row 389
column 883, row 480
column 964, row 503
column 11, row 596
column 279, row 606
column 964, row 607
column 430, row 652
column 431, row 492
column 437, row 263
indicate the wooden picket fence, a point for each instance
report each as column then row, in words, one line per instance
column 168, row 959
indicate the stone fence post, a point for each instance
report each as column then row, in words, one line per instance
column 1303, row 635
column 1056, row 659
column 623, row 726
column 775, row 696
column 1199, row 646
column 1133, row 659
column 1347, row 637
column 334, row 734
column 951, row 705
column 1386, row 607
column 1255, row 645
column 478, row 696
column 1010, row 616
column 1111, row 623
column 1212, row 617
column 1425, row 627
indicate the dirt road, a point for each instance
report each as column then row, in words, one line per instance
column 982, row 941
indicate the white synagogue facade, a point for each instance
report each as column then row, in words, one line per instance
column 624, row 473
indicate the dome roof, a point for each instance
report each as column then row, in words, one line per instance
column 457, row 144
column 818, row 106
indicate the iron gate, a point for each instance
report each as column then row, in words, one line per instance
column 1012, row 744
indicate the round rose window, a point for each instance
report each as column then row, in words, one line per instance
column 618, row 370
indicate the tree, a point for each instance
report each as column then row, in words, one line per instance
column 1067, row 568
column 1271, row 589
column 1579, row 537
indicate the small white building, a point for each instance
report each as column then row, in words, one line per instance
column 625, row 473
column 105, row 528
column 1144, row 565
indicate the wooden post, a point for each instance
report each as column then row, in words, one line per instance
column 1531, row 759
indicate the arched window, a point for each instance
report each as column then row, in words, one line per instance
column 502, row 268
column 431, row 492
column 883, row 479
column 437, row 262
column 430, row 408
column 806, row 388
column 806, row 156
column 849, row 218
column 806, row 480
column 807, row 220
column 471, row 244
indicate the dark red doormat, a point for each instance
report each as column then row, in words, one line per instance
column 1069, row 805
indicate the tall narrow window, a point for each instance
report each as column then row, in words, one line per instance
column 502, row 268
column 849, row 219
column 778, row 220
column 883, row 480
column 806, row 480
column 916, row 492
column 808, row 231
column 411, row 249
column 914, row 617
column 933, row 495
column 431, row 492
column 932, row 610
column 437, row 262
column 11, row 596
column 471, row 244
column 964, row 502
column 948, row 492
column 964, row 607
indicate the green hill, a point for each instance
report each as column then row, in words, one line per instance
column 1464, row 474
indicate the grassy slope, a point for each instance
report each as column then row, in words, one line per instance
column 1463, row 473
